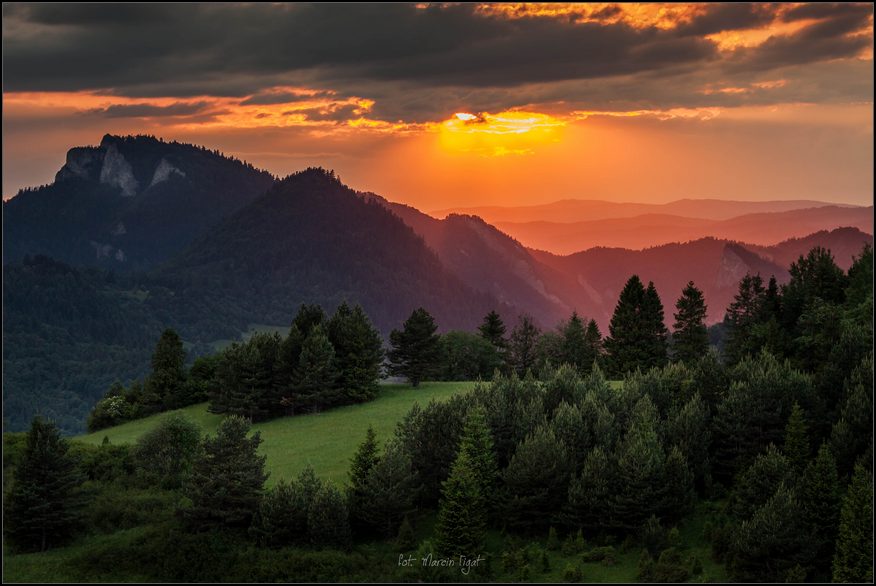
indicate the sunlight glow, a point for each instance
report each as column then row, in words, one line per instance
column 504, row 133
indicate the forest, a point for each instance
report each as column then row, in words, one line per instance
column 576, row 443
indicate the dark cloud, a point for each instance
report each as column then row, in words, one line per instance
column 152, row 111
column 415, row 63
column 269, row 99
column 726, row 17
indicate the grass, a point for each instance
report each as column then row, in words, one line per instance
column 325, row 440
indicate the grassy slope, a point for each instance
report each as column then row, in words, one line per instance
column 326, row 440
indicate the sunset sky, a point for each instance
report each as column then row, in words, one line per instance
column 445, row 105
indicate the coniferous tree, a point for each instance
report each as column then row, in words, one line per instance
column 227, row 481
column 521, row 347
column 415, row 349
column 852, row 435
column 363, row 462
column 575, row 350
column 819, row 494
column 316, row 372
column 536, row 480
column 640, row 469
column 690, row 339
column 757, row 483
column 390, row 491
column 853, row 561
column 328, row 518
column 626, row 331
column 358, row 353
column 796, row 446
column 593, row 342
column 590, row 493
column 466, row 494
column 493, row 329
column 655, row 329
column 743, row 314
column 168, row 370
column 308, row 317
column 42, row 508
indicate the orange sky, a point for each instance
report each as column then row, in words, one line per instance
column 750, row 118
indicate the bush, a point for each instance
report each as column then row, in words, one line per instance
column 600, row 554
column 114, row 508
column 670, row 567
column 573, row 573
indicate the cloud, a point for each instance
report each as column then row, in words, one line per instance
column 152, row 110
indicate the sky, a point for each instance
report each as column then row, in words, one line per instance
column 455, row 105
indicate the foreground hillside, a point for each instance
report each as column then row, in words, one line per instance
column 326, row 441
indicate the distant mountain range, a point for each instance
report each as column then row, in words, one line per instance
column 209, row 245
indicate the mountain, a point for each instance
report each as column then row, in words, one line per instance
column 490, row 261
column 311, row 239
column 715, row 266
column 581, row 210
column 128, row 203
column 639, row 232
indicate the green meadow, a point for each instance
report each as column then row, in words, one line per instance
column 325, row 440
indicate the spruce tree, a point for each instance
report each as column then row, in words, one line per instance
column 415, row 349
column 593, row 342
column 819, row 494
column 328, row 521
column 308, row 317
column 227, row 481
column 493, row 329
column 796, row 446
column 168, row 370
column 390, row 491
column 640, row 469
column 655, row 329
column 467, row 493
column 521, row 347
column 590, row 493
column 637, row 334
column 575, row 350
column 363, row 462
column 690, row 338
column 743, row 314
column 41, row 510
column 358, row 353
column 536, row 480
column 853, row 561
column 316, row 372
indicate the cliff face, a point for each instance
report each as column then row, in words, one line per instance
column 128, row 203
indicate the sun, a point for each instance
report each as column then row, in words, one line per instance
column 504, row 133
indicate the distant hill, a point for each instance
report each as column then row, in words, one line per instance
column 128, row 203
column 638, row 232
column 582, row 210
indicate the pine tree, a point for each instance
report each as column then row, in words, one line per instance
column 468, row 493
column 536, row 480
column 415, row 349
column 590, row 493
column 796, row 446
column 308, row 317
column 316, row 372
column 655, row 328
column 493, row 329
column 41, row 510
column 462, row 518
column 168, row 370
column 743, row 314
column 593, row 341
column 390, row 491
column 358, row 353
column 640, row 469
column 853, row 561
column 690, row 338
column 363, row 462
column 575, row 350
column 328, row 519
column 227, row 481
column 819, row 494
column 521, row 347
